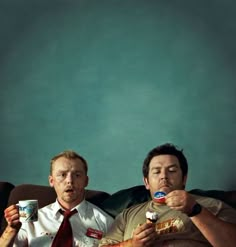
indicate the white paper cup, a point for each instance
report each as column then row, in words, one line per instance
column 28, row 210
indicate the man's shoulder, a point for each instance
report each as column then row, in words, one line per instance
column 212, row 204
column 206, row 199
column 46, row 209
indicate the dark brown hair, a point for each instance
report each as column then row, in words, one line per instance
column 166, row 148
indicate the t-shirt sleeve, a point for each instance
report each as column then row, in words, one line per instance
column 227, row 213
column 220, row 209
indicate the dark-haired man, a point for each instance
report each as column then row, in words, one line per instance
column 183, row 219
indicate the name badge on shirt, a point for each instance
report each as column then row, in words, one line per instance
column 93, row 233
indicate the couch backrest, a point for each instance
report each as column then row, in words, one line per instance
column 47, row 195
column 138, row 194
column 112, row 204
column 44, row 194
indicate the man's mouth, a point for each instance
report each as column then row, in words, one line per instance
column 69, row 190
column 164, row 187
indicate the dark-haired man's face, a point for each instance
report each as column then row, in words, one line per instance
column 164, row 174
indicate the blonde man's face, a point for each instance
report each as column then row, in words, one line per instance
column 69, row 180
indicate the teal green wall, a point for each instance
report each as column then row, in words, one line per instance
column 112, row 79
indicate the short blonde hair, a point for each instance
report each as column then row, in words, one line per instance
column 71, row 155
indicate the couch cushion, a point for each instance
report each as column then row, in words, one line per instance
column 125, row 198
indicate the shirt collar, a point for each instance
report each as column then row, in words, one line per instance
column 56, row 207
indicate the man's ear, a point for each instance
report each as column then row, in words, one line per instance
column 50, row 180
column 86, row 182
column 184, row 181
column 146, row 183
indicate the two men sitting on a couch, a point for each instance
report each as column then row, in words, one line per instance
column 183, row 219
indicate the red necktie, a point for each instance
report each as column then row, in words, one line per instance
column 64, row 236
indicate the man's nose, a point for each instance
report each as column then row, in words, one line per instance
column 69, row 178
column 164, row 174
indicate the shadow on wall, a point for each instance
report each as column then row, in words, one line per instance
column 22, row 17
column 101, row 76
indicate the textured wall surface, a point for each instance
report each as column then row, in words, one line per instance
column 111, row 79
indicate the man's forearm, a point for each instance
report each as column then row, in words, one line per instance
column 8, row 236
column 216, row 231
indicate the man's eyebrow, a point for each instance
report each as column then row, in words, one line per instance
column 77, row 171
column 160, row 166
column 67, row 170
column 173, row 165
column 61, row 170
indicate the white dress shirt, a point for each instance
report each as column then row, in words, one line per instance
column 42, row 232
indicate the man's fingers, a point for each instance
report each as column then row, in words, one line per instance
column 145, row 232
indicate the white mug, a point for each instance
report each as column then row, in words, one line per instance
column 28, row 210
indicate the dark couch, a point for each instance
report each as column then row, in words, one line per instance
column 5, row 189
column 112, row 204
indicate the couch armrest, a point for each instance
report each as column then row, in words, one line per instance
column 5, row 189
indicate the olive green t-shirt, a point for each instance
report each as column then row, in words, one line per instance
column 174, row 228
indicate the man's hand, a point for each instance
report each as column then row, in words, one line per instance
column 144, row 235
column 12, row 217
column 180, row 200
